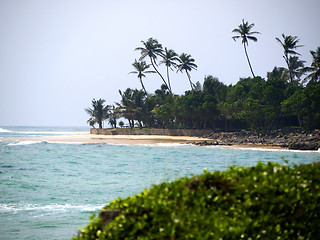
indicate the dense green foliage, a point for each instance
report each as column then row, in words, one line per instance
column 253, row 103
column 267, row 201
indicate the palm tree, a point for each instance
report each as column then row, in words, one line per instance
column 169, row 59
column 132, row 105
column 98, row 112
column 289, row 44
column 314, row 76
column 244, row 31
column 139, row 98
column 141, row 68
column 152, row 48
column 296, row 68
column 91, row 122
column 125, row 107
column 186, row 63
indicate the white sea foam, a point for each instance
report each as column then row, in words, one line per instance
column 20, row 143
column 48, row 208
column 3, row 130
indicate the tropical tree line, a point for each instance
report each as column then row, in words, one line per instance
column 289, row 96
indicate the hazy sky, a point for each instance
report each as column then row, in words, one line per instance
column 55, row 56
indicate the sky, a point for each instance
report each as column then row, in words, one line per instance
column 57, row 55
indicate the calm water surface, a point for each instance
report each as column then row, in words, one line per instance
column 49, row 190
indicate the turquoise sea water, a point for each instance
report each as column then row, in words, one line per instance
column 49, row 190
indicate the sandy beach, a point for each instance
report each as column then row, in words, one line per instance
column 116, row 139
column 138, row 140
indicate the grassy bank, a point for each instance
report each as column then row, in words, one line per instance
column 262, row 202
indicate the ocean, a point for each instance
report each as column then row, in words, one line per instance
column 49, row 190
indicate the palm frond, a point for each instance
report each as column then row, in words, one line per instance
column 252, row 38
column 244, row 31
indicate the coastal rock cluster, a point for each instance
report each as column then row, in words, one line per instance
column 293, row 139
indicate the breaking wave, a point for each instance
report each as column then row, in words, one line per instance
column 7, row 208
column 3, row 130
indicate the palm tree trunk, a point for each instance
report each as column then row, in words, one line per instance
column 100, row 123
column 131, row 123
column 189, row 77
column 143, row 86
column 245, row 50
column 152, row 63
column 169, row 79
column 299, row 120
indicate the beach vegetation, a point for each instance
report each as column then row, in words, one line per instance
column 253, row 103
column 314, row 69
column 99, row 112
column 113, row 116
column 266, row 201
column 121, row 124
column 132, row 106
column 304, row 104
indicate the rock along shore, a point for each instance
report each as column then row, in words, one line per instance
column 294, row 139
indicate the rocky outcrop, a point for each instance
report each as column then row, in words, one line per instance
column 293, row 139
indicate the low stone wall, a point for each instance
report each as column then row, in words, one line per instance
column 166, row 132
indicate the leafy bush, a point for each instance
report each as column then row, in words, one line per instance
column 267, row 201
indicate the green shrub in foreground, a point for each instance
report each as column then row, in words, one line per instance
column 263, row 202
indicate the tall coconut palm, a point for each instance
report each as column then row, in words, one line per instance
column 99, row 112
column 289, row 44
column 170, row 57
column 244, row 31
column 141, row 68
column 152, row 48
column 186, row 63
column 314, row 70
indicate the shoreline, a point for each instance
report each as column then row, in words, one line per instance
column 114, row 139
column 146, row 140
column 277, row 139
